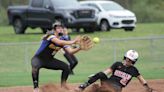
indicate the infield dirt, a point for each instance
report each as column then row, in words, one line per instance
column 134, row 86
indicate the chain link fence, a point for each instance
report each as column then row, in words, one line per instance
column 15, row 58
column 150, row 49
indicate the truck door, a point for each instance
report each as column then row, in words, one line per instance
column 38, row 16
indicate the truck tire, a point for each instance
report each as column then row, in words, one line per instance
column 44, row 30
column 89, row 30
column 19, row 27
column 104, row 26
column 76, row 30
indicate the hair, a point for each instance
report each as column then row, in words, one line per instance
column 133, row 62
column 48, row 33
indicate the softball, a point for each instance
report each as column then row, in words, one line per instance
column 96, row 40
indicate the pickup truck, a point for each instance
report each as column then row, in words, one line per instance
column 43, row 13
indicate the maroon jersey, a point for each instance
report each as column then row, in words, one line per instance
column 122, row 75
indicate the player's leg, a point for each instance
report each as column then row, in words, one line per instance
column 36, row 65
column 109, row 85
column 56, row 64
column 92, row 79
column 71, row 59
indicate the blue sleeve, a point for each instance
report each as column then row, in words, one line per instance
column 51, row 37
column 65, row 37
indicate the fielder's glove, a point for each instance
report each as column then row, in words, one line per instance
column 85, row 43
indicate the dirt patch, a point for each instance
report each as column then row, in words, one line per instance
column 134, row 86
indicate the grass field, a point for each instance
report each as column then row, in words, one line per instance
column 15, row 66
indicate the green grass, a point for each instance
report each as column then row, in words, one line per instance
column 15, row 68
column 33, row 35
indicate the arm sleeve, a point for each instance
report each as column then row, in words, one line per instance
column 136, row 72
column 51, row 37
column 114, row 66
column 66, row 37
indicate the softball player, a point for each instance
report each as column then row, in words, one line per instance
column 121, row 74
column 44, row 57
column 68, row 54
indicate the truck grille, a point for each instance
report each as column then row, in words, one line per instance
column 127, row 21
column 84, row 14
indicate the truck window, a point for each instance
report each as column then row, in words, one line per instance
column 65, row 3
column 95, row 6
column 37, row 3
column 47, row 3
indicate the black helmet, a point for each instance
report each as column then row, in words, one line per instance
column 57, row 23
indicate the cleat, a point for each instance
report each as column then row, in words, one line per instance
column 83, row 86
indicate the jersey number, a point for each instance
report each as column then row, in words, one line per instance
column 123, row 81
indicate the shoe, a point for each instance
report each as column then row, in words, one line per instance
column 71, row 72
column 65, row 86
column 78, row 89
column 83, row 86
column 36, row 90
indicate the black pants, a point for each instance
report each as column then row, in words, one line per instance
column 51, row 63
column 110, row 85
column 106, row 82
column 71, row 59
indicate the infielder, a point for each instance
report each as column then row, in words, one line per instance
column 121, row 74
column 44, row 57
column 68, row 54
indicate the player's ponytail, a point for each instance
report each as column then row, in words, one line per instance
column 48, row 33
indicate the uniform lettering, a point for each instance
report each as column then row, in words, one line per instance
column 125, row 77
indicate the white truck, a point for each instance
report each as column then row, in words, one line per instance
column 112, row 15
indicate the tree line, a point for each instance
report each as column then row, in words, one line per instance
column 145, row 10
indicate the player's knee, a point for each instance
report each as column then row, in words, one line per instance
column 66, row 68
column 74, row 63
column 102, row 76
column 35, row 70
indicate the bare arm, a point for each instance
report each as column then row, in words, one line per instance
column 142, row 80
column 108, row 71
column 72, row 50
column 144, row 83
column 62, row 42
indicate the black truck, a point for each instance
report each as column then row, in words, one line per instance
column 43, row 13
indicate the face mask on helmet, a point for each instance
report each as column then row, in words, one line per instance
column 132, row 55
column 60, row 34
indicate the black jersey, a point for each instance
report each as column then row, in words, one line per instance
column 45, row 50
column 122, row 75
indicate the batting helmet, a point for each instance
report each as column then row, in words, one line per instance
column 132, row 55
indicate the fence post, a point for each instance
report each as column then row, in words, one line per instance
column 114, row 50
column 26, row 57
column 152, row 48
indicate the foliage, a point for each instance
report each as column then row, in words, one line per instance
column 145, row 10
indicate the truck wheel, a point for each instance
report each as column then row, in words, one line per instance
column 76, row 30
column 89, row 30
column 19, row 27
column 44, row 30
column 104, row 26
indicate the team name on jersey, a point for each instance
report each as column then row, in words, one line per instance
column 122, row 74
column 125, row 77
